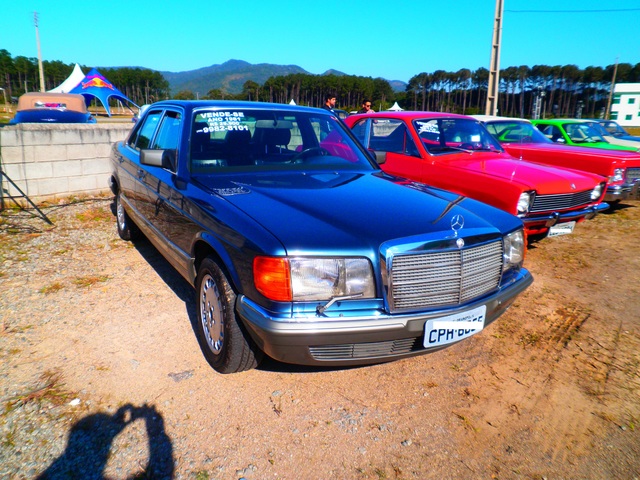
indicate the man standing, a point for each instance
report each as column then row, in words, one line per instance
column 366, row 107
column 329, row 102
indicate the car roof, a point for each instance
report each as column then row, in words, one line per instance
column 412, row 114
column 35, row 100
column 561, row 120
column 495, row 118
column 191, row 105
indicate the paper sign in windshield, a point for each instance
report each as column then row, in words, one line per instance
column 223, row 121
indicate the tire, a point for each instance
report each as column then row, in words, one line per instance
column 224, row 342
column 126, row 228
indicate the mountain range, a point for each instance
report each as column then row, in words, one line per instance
column 231, row 75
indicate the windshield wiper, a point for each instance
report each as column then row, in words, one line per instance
column 448, row 147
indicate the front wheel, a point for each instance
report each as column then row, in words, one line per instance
column 225, row 344
column 126, row 228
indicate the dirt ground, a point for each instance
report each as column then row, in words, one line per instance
column 101, row 375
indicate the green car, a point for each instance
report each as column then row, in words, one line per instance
column 577, row 133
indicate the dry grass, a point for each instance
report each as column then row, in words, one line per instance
column 49, row 388
column 99, row 214
column 91, row 280
column 53, row 288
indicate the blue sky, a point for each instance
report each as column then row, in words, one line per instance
column 393, row 40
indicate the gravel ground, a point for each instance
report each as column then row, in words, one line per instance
column 101, row 375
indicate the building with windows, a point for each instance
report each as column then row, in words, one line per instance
column 625, row 107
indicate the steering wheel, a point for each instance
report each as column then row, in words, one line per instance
column 311, row 151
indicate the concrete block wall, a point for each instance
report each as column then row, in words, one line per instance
column 51, row 161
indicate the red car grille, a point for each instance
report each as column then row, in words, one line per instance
column 633, row 175
column 560, row 202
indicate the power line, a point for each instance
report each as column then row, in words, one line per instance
column 576, row 11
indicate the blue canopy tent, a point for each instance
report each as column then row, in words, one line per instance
column 94, row 84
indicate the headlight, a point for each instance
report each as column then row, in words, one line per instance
column 618, row 175
column 513, row 250
column 524, row 202
column 312, row 279
column 597, row 192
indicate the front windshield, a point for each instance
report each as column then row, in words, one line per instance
column 582, row 133
column 445, row 135
column 245, row 140
column 514, row 131
column 614, row 129
column 599, row 128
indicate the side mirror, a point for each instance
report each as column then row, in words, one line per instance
column 159, row 158
column 378, row 157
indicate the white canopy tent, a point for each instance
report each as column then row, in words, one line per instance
column 395, row 108
column 70, row 83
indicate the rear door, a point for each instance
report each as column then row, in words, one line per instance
column 161, row 202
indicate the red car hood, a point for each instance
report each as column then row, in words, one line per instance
column 545, row 179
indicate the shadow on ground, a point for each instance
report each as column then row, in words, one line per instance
column 90, row 440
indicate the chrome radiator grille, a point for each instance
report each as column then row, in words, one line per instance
column 429, row 280
column 633, row 175
column 564, row 201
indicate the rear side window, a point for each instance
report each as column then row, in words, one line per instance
column 142, row 137
column 388, row 135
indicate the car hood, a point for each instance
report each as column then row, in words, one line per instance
column 629, row 137
column 623, row 142
column 545, row 179
column 351, row 210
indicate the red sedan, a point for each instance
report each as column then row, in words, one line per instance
column 523, row 140
column 457, row 153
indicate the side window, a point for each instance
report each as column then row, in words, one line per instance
column 551, row 132
column 389, row 135
column 143, row 135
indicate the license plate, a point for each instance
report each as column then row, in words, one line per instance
column 561, row 229
column 452, row 328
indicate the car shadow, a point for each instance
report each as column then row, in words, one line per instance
column 90, row 439
column 166, row 272
column 615, row 207
column 532, row 240
column 268, row 364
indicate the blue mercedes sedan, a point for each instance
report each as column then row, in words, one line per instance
column 299, row 247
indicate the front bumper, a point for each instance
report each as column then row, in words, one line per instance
column 537, row 222
column 338, row 340
column 625, row 191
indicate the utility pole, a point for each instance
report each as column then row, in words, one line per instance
column 607, row 112
column 494, row 69
column 35, row 21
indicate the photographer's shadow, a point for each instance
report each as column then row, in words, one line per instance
column 90, row 440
